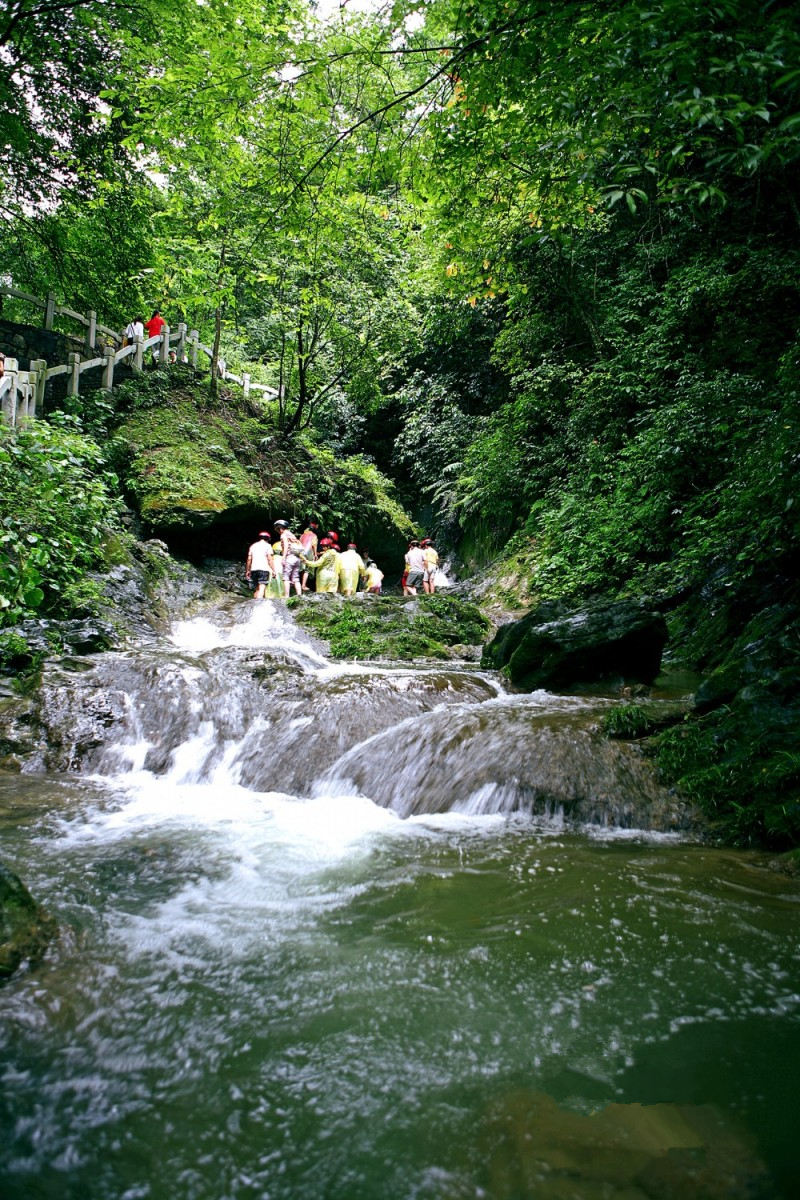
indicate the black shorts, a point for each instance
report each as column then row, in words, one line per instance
column 259, row 577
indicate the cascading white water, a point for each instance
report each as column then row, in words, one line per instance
column 244, row 698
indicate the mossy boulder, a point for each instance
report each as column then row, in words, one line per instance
column 550, row 648
column 179, row 464
column 26, row 929
column 206, row 474
column 738, row 757
column 391, row 627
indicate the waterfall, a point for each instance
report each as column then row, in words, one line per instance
column 239, row 696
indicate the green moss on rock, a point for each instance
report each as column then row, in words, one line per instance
column 391, row 627
column 174, row 471
column 738, row 757
column 26, row 929
column 189, row 463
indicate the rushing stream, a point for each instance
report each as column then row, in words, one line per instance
column 338, row 932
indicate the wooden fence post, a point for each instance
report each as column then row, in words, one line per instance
column 245, row 384
column 163, row 356
column 91, row 332
column 10, row 398
column 50, row 310
column 194, row 338
column 138, row 353
column 39, row 365
column 73, row 386
column 181, row 349
column 108, row 368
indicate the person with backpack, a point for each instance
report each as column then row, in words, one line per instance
column 292, row 550
column 309, row 540
column 133, row 329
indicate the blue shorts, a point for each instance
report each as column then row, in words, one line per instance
column 259, row 577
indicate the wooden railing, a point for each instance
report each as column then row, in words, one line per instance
column 22, row 392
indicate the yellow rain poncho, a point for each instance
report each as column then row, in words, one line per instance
column 327, row 569
column 351, row 567
column 374, row 576
column 276, row 583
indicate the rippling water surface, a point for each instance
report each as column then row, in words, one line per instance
column 266, row 992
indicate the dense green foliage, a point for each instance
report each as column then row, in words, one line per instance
column 60, row 520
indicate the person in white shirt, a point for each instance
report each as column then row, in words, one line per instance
column 416, row 567
column 259, row 567
column 134, row 329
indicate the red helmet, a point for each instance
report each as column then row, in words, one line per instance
column 333, row 535
column 325, row 542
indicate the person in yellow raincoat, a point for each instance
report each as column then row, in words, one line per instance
column 326, row 567
column 276, row 583
column 351, row 569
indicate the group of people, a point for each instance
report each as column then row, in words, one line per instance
column 422, row 564
column 139, row 328
column 276, row 568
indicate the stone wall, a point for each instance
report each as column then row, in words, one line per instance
column 27, row 342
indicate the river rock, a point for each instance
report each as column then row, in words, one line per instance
column 87, row 636
column 549, row 649
column 633, row 1151
column 26, row 929
column 18, row 731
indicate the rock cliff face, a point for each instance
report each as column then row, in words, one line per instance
column 739, row 754
column 206, row 477
column 548, row 648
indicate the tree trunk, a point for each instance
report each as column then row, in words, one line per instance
column 217, row 325
column 302, row 385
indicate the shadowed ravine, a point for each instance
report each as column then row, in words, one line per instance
column 355, row 932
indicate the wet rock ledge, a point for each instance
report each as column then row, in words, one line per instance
column 551, row 648
column 26, row 929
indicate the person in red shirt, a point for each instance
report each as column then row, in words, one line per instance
column 153, row 328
